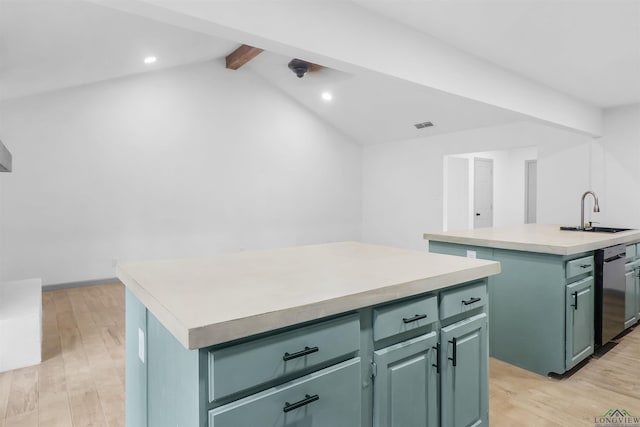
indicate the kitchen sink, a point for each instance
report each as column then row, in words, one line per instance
column 597, row 229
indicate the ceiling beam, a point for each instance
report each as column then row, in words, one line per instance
column 241, row 56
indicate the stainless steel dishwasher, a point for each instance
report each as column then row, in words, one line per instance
column 610, row 293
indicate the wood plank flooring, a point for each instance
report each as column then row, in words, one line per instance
column 81, row 379
column 612, row 381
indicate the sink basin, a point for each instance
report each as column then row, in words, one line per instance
column 596, row 229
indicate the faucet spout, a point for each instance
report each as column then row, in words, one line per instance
column 596, row 206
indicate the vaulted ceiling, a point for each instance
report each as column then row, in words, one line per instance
column 587, row 50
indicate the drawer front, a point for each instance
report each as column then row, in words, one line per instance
column 632, row 265
column 393, row 319
column 330, row 397
column 463, row 299
column 632, row 250
column 253, row 363
column 579, row 266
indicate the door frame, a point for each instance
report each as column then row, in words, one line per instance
column 476, row 160
column 526, row 191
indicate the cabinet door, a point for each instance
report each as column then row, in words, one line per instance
column 405, row 389
column 579, row 321
column 464, row 359
column 630, row 300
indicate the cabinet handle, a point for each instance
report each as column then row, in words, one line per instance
column 307, row 399
column 437, row 364
column 307, row 350
column 575, row 298
column 454, row 359
column 414, row 318
column 471, row 301
column 585, row 265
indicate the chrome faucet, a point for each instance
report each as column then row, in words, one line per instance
column 596, row 207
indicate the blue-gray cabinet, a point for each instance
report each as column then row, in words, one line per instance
column 329, row 397
column 407, row 373
column 630, row 301
column 464, row 373
column 416, row 362
column 530, row 307
column 579, row 320
column 632, row 276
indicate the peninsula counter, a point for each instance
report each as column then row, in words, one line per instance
column 542, row 304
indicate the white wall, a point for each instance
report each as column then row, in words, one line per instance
column 190, row 161
column 403, row 181
column 2, row 175
column 616, row 161
column 457, row 195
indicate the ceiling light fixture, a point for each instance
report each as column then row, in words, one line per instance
column 150, row 59
column 327, row 96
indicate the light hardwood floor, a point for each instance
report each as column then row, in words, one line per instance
column 81, row 379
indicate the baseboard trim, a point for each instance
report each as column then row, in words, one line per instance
column 80, row 284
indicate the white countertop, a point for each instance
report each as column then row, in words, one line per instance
column 543, row 238
column 212, row 300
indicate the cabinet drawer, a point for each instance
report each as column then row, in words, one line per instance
column 393, row 319
column 462, row 299
column 579, row 266
column 250, row 364
column 632, row 250
column 330, row 397
column 632, row 265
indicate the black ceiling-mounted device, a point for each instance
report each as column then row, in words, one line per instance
column 299, row 67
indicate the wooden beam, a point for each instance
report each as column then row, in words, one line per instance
column 241, row 56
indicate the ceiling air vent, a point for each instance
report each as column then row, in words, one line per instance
column 423, row 125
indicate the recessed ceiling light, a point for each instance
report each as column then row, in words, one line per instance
column 150, row 59
column 327, row 96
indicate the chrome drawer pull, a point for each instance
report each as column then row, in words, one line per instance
column 307, row 350
column 471, row 301
column 585, row 265
column 414, row 318
column 307, row 399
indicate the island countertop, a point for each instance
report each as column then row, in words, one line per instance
column 542, row 238
column 211, row 300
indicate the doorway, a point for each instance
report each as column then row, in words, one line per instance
column 508, row 202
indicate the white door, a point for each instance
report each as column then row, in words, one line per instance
column 482, row 192
column 530, row 190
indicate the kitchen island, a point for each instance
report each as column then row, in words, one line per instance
column 542, row 305
column 340, row 334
